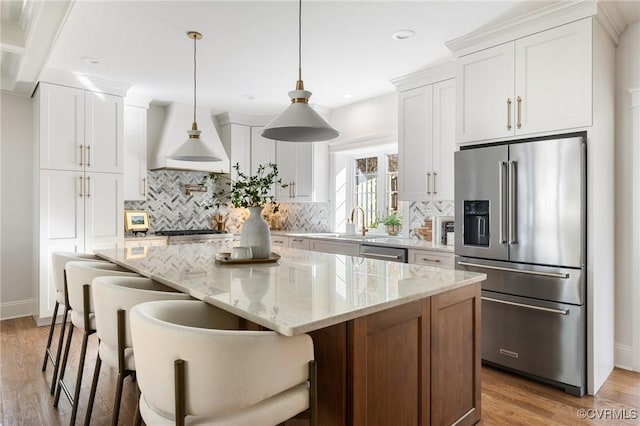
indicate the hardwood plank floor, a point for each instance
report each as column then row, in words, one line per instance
column 506, row 399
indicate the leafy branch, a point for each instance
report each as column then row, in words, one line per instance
column 246, row 191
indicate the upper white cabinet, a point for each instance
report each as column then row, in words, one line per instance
column 303, row 166
column 80, row 130
column 538, row 83
column 135, row 148
column 426, row 138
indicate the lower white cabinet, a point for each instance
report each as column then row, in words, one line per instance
column 299, row 243
column 431, row 258
column 279, row 241
column 78, row 212
column 336, row 247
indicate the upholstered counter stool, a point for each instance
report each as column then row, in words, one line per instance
column 113, row 297
column 79, row 277
column 58, row 261
column 222, row 377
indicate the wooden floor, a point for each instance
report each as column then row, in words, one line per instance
column 506, row 399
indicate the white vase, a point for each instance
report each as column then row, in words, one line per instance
column 255, row 234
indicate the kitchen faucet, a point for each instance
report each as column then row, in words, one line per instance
column 364, row 228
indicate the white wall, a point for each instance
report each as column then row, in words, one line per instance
column 375, row 118
column 16, row 225
column 627, row 218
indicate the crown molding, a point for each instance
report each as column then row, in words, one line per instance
column 83, row 81
column 426, row 76
column 611, row 19
column 554, row 15
column 245, row 120
column 137, row 100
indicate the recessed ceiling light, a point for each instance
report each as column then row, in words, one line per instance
column 402, row 34
column 90, row 60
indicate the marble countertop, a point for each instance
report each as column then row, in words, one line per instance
column 382, row 240
column 302, row 292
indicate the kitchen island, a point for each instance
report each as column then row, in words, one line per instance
column 395, row 343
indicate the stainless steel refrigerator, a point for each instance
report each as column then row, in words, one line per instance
column 520, row 214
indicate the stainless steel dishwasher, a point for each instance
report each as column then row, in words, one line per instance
column 393, row 254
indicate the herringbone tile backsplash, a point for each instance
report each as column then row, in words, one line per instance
column 170, row 207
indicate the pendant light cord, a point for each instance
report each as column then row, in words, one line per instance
column 195, row 39
column 300, row 40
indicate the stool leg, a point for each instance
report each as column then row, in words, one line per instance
column 137, row 419
column 92, row 394
column 118, row 399
column 56, row 365
column 76, row 394
column 63, row 367
column 53, row 326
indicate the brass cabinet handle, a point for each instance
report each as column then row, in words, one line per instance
column 293, row 189
column 81, row 154
column 428, row 183
column 435, row 183
column 508, row 113
column 144, row 186
column 426, row 259
column 81, row 187
column 88, row 156
column 519, row 102
column 88, row 186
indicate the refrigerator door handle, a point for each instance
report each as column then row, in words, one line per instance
column 522, row 305
column 501, row 166
column 562, row 276
column 512, row 202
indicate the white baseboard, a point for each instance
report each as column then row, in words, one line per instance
column 624, row 357
column 18, row 309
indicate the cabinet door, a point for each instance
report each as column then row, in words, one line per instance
column 61, row 226
column 444, row 139
column 263, row 151
column 240, row 149
column 484, row 91
column 135, row 158
column 285, row 159
column 553, row 79
column 104, row 204
column 61, row 127
column 415, row 142
column 304, row 169
column 104, row 133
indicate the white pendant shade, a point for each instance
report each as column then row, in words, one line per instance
column 194, row 149
column 299, row 122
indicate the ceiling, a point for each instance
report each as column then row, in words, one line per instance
column 247, row 60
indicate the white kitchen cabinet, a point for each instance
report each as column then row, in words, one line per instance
column 337, row 247
column 80, row 183
column 79, row 212
column 279, row 241
column 303, row 166
column 135, row 157
column 80, row 130
column 431, row 258
column 538, row 83
column 299, row 243
column 426, row 142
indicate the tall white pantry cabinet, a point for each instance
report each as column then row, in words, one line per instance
column 80, row 192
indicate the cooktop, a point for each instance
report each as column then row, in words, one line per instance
column 173, row 233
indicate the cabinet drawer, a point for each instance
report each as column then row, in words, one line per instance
column 431, row 258
column 279, row 241
column 349, row 249
column 299, row 243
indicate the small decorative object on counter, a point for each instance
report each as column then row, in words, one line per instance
column 392, row 224
column 275, row 221
column 251, row 192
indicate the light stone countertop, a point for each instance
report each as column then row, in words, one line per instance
column 302, row 292
column 381, row 240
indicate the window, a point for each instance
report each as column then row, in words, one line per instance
column 376, row 185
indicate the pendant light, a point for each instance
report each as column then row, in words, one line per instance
column 194, row 149
column 299, row 122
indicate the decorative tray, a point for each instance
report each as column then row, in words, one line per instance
column 225, row 257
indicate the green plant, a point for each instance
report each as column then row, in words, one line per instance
column 392, row 220
column 245, row 191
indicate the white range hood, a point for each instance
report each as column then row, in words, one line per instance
column 179, row 118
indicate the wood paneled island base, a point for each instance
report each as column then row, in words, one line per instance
column 416, row 364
